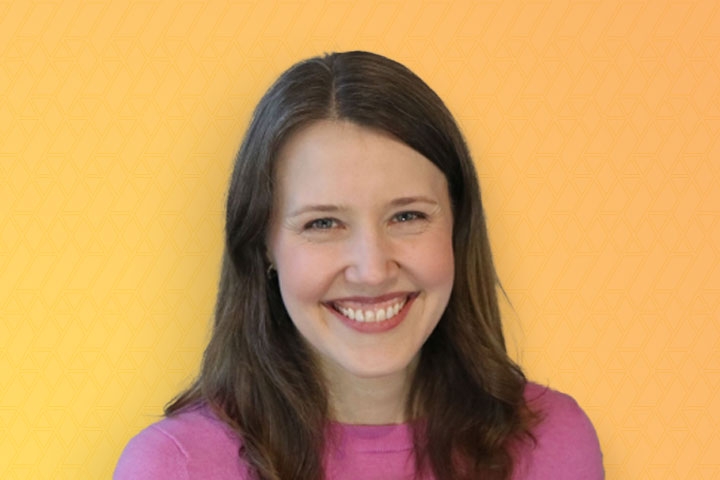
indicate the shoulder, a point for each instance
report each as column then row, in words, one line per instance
column 566, row 444
column 187, row 445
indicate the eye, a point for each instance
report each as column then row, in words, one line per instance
column 404, row 217
column 321, row 224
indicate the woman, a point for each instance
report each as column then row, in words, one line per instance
column 357, row 331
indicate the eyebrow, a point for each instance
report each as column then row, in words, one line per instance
column 403, row 201
column 330, row 208
column 316, row 208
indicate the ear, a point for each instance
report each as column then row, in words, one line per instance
column 269, row 257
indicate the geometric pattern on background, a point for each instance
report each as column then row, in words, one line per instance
column 595, row 127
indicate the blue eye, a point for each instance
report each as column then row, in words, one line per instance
column 321, row 224
column 403, row 217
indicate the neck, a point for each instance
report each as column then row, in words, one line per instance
column 368, row 401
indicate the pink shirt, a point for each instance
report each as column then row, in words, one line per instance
column 196, row 445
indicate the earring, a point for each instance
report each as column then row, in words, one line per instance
column 270, row 270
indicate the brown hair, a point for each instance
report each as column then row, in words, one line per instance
column 257, row 373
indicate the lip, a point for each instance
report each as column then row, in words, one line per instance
column 374, row 327
column 371, row 300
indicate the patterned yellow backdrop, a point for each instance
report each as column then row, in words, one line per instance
column 595, row 130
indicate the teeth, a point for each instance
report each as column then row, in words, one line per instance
column 378, row 315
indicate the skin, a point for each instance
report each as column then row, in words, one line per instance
column 361, row 221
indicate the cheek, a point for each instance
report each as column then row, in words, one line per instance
column 304, row 274
column 434, row 263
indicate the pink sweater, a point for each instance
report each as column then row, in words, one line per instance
column 196, row 445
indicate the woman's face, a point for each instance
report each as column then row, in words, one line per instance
column 361, row 238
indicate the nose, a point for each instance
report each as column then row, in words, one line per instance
column 371, row 258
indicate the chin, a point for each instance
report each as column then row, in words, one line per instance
column 378, row 368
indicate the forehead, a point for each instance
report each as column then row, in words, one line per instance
column 341, row 159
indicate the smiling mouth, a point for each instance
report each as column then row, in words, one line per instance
column 371, row 313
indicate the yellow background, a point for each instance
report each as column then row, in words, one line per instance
column 595, row 129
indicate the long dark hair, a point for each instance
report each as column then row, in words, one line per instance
column 466, row 394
